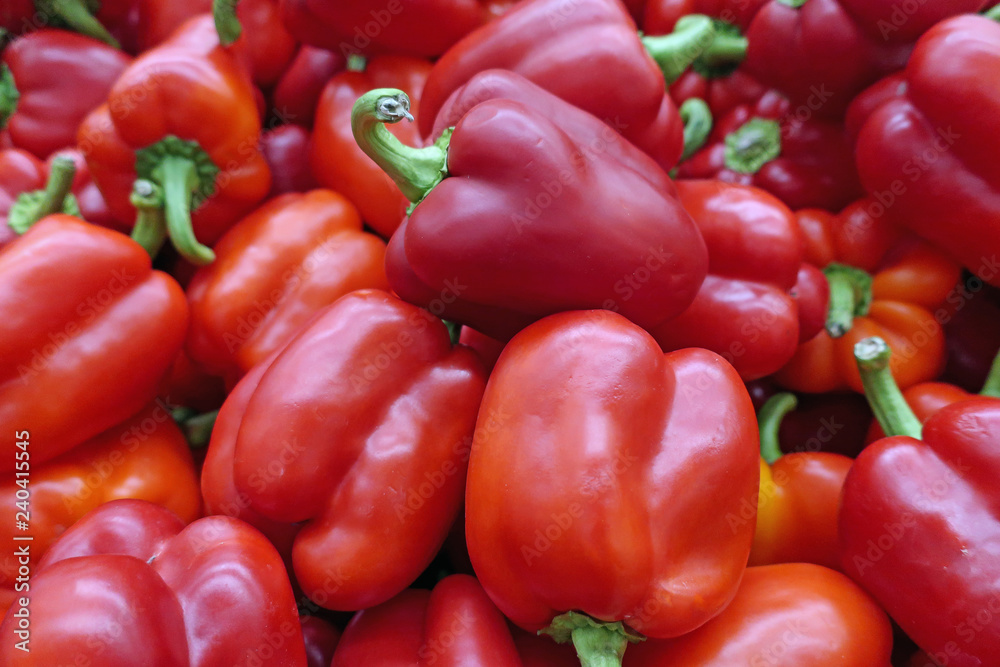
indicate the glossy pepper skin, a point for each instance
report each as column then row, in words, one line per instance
column 803, row 161
column 145, row 457
column 523, row 175
column 96, row 330
column 420, row 28
column 369, row 406
column 255, row 34
column 783, row 616
column 201, row 150
column 273, row 271
column 297, row 92
column 337, row 161
column 60, row 77
column 822, row 53
column 130, row 584
column 909, row 281
column 927, row 148
column 286, row 149
column 744, row 311
column 546, row 44
column 589, row 446
column 455, row 624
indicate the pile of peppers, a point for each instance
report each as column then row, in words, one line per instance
column 500, row 333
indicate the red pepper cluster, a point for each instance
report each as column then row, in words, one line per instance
column 403, row 333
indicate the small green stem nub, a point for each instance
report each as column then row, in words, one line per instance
column 754, row 144
column 197, row 428
column 886, row 400
column 77, row 16
column 356, row 63
column 226, row 23
column 697, row 118
column 150, row 229
column 9, row 95
column 992, row 386
column 454, row 330
column 675, row 52
column 993, row 13
column 794, row 4
column 415, row 170
column 31, row 207
column 850, row 297
column 597, row 644
column 769, row 423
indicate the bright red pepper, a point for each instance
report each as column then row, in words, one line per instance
column 146, row 457
column 297, row 93
column 548, row 43
column 880, row 284
column 337, row 161
column 286, row 149
column 487, row 348
column 455, row 624
column 129, row 584
column 803, row 161
column 274, row 270
column 58, row 78
column 581, row 496
column 258, row 38
column 202, row 149
column 920, row 507
column 421, row 28
column 926, row 154
column 783, row 616
column 358, row 431
column 822, row 53
column 744, row 310
column 95, row 331
column 522, row 167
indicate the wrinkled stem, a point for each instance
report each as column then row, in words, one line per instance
column 150, row 229
column 697, row 118
column 754, row 144
column 769, row 422
column 597, row 644
column 675, row 52
column 886, row 400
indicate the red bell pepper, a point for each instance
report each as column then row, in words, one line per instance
column 581, row 509
column 321, row 640
column 145, row 457
column 881, row 283
column 972, row 332
column 254, row 31
column 919, row 506
column 569, row 50
column 522, row 167
column 274, row 270
column 188, row 385
column 452, row 625
column 337, row 161
column 822, row 53
column 799, row 497
column 55, row 79
column 286, row 149
column 783, row 616
column 487, row 348
column 297, row 93
column 95, row 331
column 420, row 28
column 129, row 584
column 744, row 310
column 925, row 153
column 358, row 431
column 202, row 149
column 804, row 162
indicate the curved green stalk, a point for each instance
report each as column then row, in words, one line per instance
column 886, row 400
column 30, row 207
column 150, row 229
column 769, row 423
column 674, row 53
column 850, row 297
column 697, row 118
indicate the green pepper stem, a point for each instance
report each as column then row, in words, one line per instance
column 356, row 63
column 150, row 229
column 725, row 50
column 993, row 13
column 33, row 206
column 886, row 400
column 850, row 297
column 697, row 118
column 180, row 181
column 597, row 644
column 76, row 15
column 754, row 144
column 226, row 23
column 197, row 428
column 415, row 170
column 794, row 4
column 9, row 95
column 769, row 422
column 674, row 53
column 454, row 330
column 992, row 386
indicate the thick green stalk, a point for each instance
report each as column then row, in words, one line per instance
column 226, row 23
column 31, row 207
column 886, row 400
column 675, row 52
column 769, row 423
column 697, row 118
column 850, row 297
column 150, row 229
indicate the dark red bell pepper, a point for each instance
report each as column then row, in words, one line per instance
column 337, row 161
column 296, row 94
column 927, row 153
column 129, row 584
column 972, row 332
column 744, row 311
column 919, row 506
column 803, row 161
column 523, row 174
column 356, row 436
column 95, row 331
column 286, row 149
column 321, row 638
column 420, row 28
column 569, row 50
column 585, row 512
